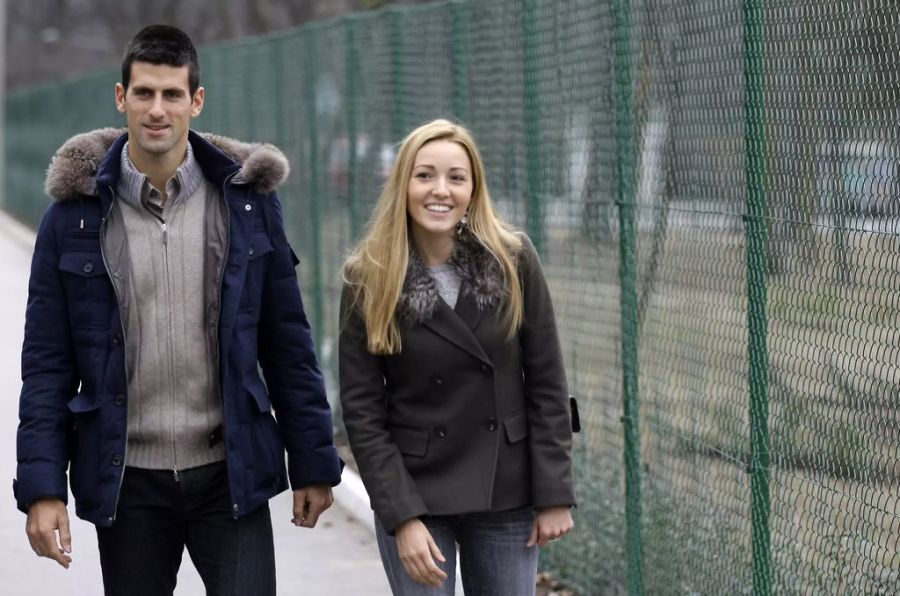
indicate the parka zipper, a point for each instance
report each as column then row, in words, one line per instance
column 169, row 324
column 216, row 341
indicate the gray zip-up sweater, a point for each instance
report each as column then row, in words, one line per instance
column 173, row 396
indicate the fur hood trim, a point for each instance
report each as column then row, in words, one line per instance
column 73, row 169
column 480, row 272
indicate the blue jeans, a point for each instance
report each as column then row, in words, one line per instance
column 493, row 558
column 157, row 517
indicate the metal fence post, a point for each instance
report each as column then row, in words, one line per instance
column 315, row 218
column 629, row 302
column 249, row 60
column 278, row 90
column 352, row 68
column 397, row 74
column 757, row 263
column 535, row 216
column 460, row 61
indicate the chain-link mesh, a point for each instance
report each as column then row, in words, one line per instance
column 714, row 185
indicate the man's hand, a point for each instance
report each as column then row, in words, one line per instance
column 418, row 551
column 46, row 517
column 309, row 503
column 549, row 524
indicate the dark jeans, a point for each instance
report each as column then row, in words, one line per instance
column 157, row 517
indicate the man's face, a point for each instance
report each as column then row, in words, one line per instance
column 158, row 107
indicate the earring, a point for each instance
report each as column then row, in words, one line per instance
column 463, row 224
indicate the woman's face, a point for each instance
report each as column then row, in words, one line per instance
column 439, row 190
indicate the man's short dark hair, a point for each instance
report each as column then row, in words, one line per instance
column 162, row 44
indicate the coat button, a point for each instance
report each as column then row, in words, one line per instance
column 490, row 423
column 251, row 251
column 117, row 460
column 247, row 207
column 440, row 431
column 117, row 275
column 119, row 399
column 437, row 381
column 486, row 370
column 88, row 267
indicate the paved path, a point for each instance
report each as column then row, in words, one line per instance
column 338, row 557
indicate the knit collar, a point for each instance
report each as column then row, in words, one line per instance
column 134, row 186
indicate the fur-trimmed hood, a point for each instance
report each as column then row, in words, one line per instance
column 73, row 169
column 480, row 272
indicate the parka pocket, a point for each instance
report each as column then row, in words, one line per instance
column 260, row 247
column 410, row 441
column 83, row 403
column 87, row 287
column 84, row 449
column 266, row 445
column 516, row 427
column 82, row 264
column 260, row 395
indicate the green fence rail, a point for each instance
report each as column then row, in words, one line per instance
column 714, row 186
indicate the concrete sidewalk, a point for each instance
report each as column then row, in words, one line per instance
column 338, row 557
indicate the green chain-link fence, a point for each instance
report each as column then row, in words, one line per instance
column 714, row 189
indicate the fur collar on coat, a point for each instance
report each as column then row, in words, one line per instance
column 480, row 272
column 73, row 169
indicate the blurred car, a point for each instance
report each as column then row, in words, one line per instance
column 377, row 164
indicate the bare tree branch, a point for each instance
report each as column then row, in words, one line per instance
column 64, row 37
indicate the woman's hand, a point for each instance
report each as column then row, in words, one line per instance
column 418, row 552
column 549, row 524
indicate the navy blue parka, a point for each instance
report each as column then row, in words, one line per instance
column 74, row 395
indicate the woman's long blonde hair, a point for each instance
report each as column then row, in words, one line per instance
column 376, row 268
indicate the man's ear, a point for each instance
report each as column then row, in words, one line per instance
column 120, row 97
column 197, row 102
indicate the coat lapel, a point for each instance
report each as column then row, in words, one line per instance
column 482, row 289
column 466, row 309
column 454, row 328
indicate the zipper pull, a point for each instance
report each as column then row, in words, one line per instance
column 164, row 228
column 175, row 473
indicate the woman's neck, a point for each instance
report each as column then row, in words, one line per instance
column 434, row 250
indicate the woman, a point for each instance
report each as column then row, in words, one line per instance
column 452, row 382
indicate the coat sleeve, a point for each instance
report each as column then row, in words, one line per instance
column 547, row 397
column 291, row 369
column 49, row 379
column 392, row 490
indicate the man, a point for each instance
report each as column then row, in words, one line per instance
column 161, row 282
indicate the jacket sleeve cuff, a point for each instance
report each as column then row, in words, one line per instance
column 322, row 466
column 29, row 489
column 391, row 518
column 553, row 495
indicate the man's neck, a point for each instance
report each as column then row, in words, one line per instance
column 158, row 169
